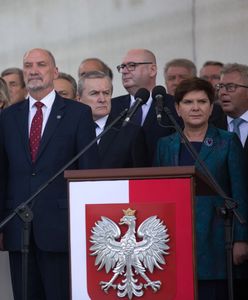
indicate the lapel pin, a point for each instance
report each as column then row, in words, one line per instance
column 58, row 117
column 208, row 142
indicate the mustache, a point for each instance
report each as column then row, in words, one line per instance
column 34, row 77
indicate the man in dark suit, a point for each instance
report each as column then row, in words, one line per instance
column 120, row 147
column 139, row 70
column 30, row 154
column 233, row 96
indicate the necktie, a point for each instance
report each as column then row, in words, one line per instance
column 97, row 130
column 137, row 117
column 236, row 123
column 35, row 130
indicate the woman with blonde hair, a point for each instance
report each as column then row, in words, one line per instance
column 4, row 95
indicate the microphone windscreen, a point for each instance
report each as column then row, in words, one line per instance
column 158, row 90
column 143, row 94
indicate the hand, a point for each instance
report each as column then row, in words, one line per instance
column 1, row 242
column 240, row 252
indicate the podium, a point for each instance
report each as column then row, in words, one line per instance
column 160, row 203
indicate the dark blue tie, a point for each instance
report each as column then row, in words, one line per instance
column 137, row 117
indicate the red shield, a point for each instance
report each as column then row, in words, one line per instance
column 167, row 276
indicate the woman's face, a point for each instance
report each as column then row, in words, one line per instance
column 195, row 109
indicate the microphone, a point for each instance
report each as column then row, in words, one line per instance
column 141, row 97
column 158, row 95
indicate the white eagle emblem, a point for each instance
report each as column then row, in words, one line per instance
column 129, row 257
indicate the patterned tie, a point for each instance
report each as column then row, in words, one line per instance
column 137, row 117
column 236, row 123
column 35, row 130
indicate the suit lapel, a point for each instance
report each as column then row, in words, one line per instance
column 150, row 117
column 106, row 140
column 56, row 115
column 21, row 117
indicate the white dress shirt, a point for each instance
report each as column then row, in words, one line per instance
column 46, row 109
column 243, row 127
column 145, row 107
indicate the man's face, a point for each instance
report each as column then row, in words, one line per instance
column 17, row 91
column 97, row 94
column 211, row 74
column 174, row 76
column 64, row 88
column 233, row 103
column 39, row 71
column 89, row 66
column 143, row 75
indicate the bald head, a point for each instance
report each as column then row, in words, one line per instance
column 139, row 70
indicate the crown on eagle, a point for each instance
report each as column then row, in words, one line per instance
column 129, row 212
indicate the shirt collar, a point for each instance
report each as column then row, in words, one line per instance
column 47, row 100
column 244, row 117
column 101, row 122
column 148, row 103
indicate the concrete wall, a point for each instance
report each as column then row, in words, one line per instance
column 74, row 30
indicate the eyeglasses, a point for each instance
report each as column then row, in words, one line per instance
column 131, row 66
column 230, row 87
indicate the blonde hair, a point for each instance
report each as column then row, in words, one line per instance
column 4, row 94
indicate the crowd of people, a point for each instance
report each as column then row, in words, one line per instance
column 47, row 117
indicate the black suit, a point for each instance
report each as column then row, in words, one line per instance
column 153, row 131
column 68, row 130
column 240, row 286
column 123, row 147
column 221, row 122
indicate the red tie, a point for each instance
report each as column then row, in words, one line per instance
column 35, row 130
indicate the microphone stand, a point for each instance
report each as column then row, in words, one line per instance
column 226, row 212
column 24, row 212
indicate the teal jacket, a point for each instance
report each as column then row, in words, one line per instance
column 223, row 154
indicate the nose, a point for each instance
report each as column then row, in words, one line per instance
column 101, row 98
column 195, row 106
column 222, row 90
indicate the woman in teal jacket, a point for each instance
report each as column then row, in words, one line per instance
column 223, row 154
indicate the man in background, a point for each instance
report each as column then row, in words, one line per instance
column 66, row 86
column 94, row 64
column 177, row 70
column 210, row 71
column 138, row 69
column 120, row 147
column 233, row 96
column 16, row 85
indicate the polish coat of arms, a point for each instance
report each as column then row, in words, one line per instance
column 128, row 257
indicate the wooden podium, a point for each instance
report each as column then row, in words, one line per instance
column 165, row 192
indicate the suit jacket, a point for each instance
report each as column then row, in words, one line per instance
column 153, row 131
column 68, row 130
column 221, row 122
column 223, row 154
column 123, row 147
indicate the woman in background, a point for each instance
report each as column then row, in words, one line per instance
column 4, row 95
column 223, row 154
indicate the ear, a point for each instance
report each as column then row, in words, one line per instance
column 153, row 69
column 56, row 73
column 177, row 109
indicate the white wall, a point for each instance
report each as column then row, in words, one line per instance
column 74, row 30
